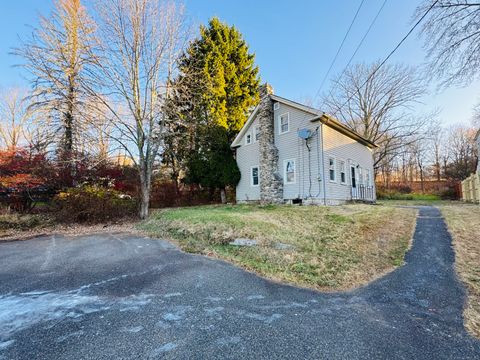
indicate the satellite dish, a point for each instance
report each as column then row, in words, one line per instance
column 304, row 134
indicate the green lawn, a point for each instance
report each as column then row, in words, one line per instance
column 417, row 201
column 333, row 247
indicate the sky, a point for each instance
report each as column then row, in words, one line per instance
column 294, row 43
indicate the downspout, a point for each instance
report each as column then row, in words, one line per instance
column 323, row 166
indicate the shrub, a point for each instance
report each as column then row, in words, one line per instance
column 93, row 204
column 25, row 178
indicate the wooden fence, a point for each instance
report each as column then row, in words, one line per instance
column 471, row 188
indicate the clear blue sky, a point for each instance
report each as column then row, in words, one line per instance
column 294, row 42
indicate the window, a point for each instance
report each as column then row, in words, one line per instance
column 360, row 176
column 367, row 177
column 343, row 174
column 276, row 106
column 248, row 139
column 284, row 123
column 257, row 133
column 289, row 177
column 255, row 180
column 353, row 176
column 331, row 167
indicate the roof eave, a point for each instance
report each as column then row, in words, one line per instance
column 236, row 142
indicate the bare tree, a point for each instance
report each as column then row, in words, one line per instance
column 56, row 57
column 463, row 152
column 419, row 150
column 14, row 116
column 140, row 42
column 452, row 39
column 377, row 103
column 437, row 149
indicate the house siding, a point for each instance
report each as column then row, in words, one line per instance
column 343, row 148
column 291, row 146
column 247, row 157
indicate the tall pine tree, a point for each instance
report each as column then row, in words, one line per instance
column 214, row 93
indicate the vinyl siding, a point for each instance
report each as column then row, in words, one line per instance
column 247, row 157
column 342, row 148
column 291, row 146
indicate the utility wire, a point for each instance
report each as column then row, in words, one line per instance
column 339, row 49
column 359, row 44
column 391, row 53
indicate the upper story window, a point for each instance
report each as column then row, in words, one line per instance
column 331, row 167
column 289, row 176
column 284, row 123
column 248, row 138
column 257, row 133
column 255, row 179
column 343, row 172
column 276, row 106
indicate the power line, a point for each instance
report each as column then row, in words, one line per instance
column 391, row 53
column 339, row 48
column 360, row 43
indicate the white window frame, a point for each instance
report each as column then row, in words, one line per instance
column 340, row 162
column 285, row 162
column 280, row 123
column 246, row 138
column 334, row 169
column 251, row 175
column 276, row 106
column 368, row 178
column 360, row 178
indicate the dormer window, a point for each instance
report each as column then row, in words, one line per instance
column 284, row 123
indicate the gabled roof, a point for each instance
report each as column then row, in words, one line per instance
column 317, row 115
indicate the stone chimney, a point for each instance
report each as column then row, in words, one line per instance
column 271, row 184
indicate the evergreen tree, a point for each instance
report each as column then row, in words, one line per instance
column 214, row 93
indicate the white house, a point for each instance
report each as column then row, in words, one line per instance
column 289, row 152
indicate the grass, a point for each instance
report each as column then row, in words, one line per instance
column 334, row 248
column 14, row 223
column 419, row 201
column 411, row 196
column 463, row 221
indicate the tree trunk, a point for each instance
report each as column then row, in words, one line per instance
column 223, row 195
column 145, row 179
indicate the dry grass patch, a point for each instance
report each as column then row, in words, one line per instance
column 464, row 224
column 27, row 226
column 333, row 248
column 13, row 224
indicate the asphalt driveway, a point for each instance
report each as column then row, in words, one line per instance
column 115, row 296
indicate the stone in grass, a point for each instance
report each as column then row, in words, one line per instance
column 243, row 242
column 282, row 246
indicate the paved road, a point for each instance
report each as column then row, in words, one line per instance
column 121, row 297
